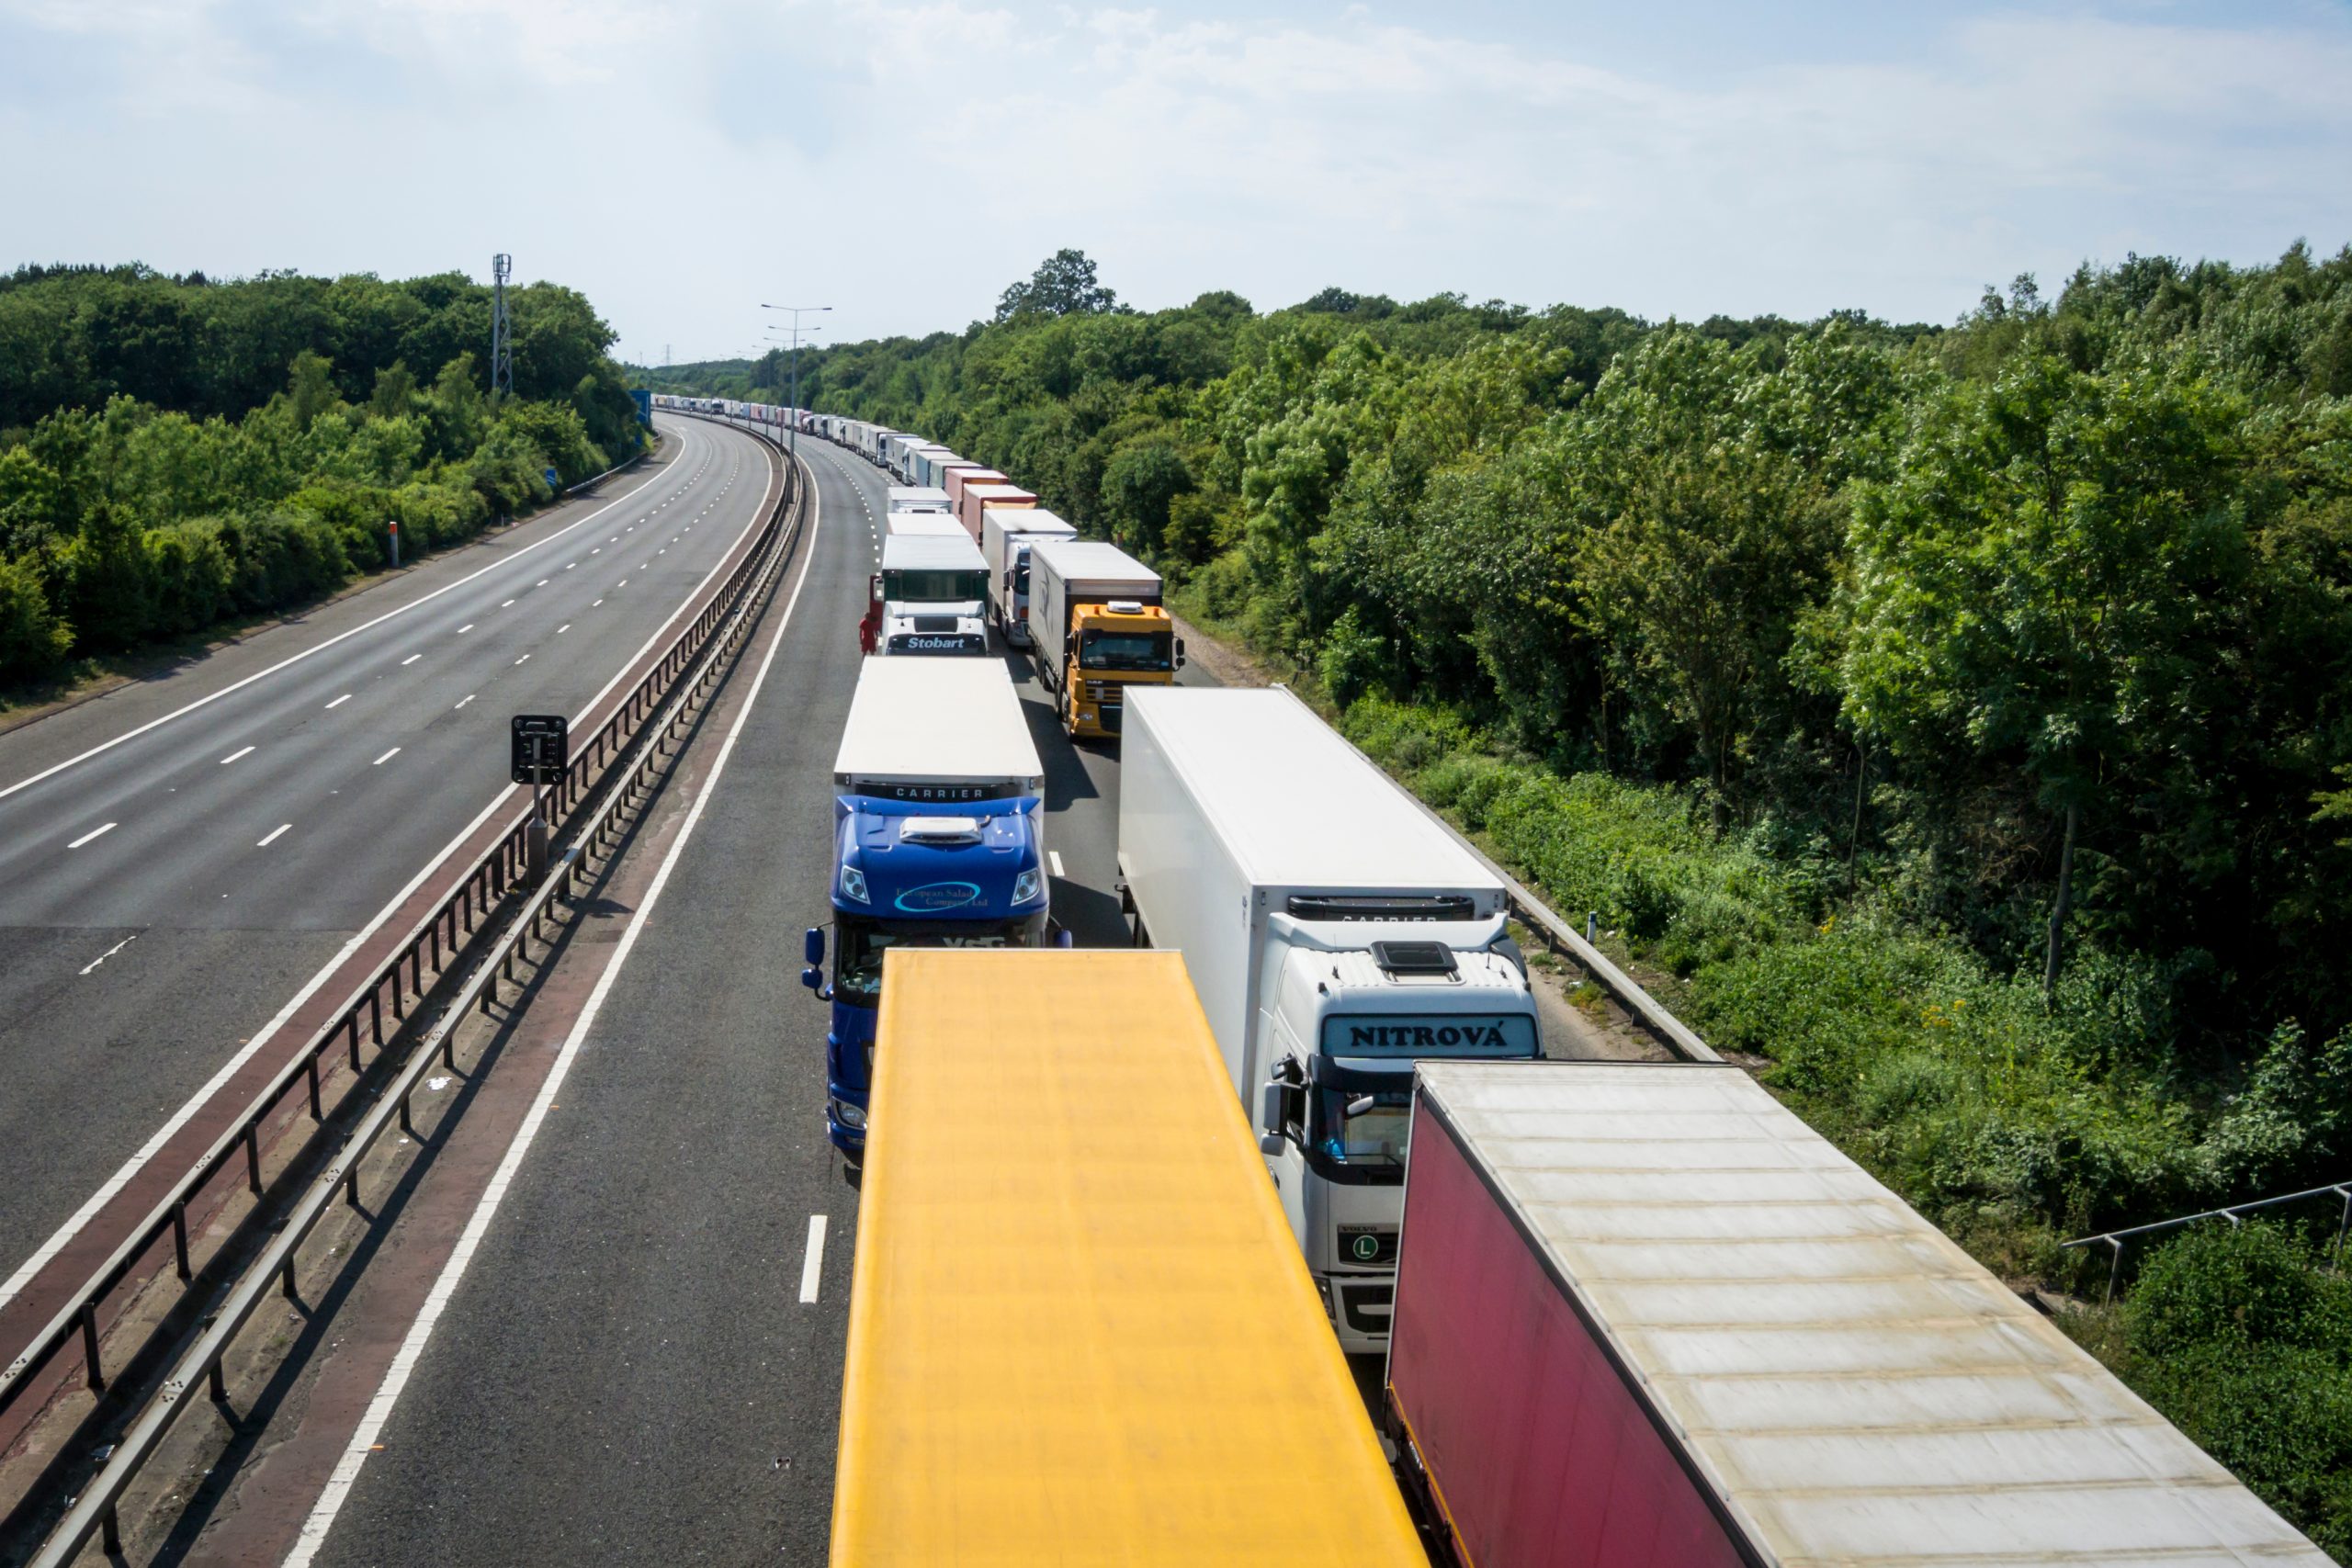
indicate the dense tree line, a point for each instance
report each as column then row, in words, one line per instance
column 1959, row 718
column 174, row 451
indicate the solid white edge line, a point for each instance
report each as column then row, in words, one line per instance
column 297, row 659
column 812, row 1264
column 122, row 1178
column 380, row 1409
column 109, row 953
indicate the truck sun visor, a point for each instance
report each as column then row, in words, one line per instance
column 939, row 831
column 1336, row 907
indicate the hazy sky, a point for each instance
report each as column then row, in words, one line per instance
column 902, row 162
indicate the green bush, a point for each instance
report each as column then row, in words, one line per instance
column 33, row 641
column 2241, row 1339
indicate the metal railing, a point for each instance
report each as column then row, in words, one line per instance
column 2116, row 1239
column 615, row 751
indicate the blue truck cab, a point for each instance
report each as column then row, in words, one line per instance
column 938, row 841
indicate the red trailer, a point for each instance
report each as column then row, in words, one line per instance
column 1646, row 1318
column 963, row 474
column 973, row 499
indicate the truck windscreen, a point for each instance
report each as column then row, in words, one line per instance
column 1125, row 651
column 862, row 942
column 933, row 587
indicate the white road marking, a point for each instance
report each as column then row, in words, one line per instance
column 109, row 953
column 410, row 660
column 274, row 833
column 563, row 628
column 93, row 833
column 598, row 601
column 241, row 752
column 385, row 757
column 444, row 1289
column 812, row 1262
column 464, row 629
column 622, row 583
column 340, row 701
column 597, row 551
column 468, row 697
column 509, row 601
column 1055, row 857
column 520, row 661
column 295, row 659
column 542, row 582
column 569, row 564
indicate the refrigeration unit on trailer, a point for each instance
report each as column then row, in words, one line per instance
column 939, row 822
column 1078, row 1332
column 975, row 498
column 1006, row 537
column 928, row 596
column 1647, row 1318
column 1097, row 628
column 1338, row 936
column 916, row 498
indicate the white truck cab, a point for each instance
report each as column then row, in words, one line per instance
column 1336, row 936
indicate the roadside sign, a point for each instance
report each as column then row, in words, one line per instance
column 553, row 481
column 542, row 743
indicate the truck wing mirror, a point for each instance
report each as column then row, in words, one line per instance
column 812, row 946
column 1270, row 1107
column 814, row 978
column 1180, row 653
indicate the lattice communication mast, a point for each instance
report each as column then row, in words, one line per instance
column 501, row 343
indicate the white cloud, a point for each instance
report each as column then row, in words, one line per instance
column 904, row 161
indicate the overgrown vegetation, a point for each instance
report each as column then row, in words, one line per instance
column 1963, row 715
column 175, row 452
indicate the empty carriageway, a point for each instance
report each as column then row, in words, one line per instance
column 187, row 863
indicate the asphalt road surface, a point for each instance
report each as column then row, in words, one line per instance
column 163, row 898
column 626, row 1371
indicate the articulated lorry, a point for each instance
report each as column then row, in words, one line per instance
column 1097, row 626
column 968, row 474
column 939, row 826
column 1078, row 1330
column 1338, row 936
column 927, row 597
column 1006, row 537
column 1647, row 1318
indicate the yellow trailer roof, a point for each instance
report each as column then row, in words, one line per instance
column 1079, row 1330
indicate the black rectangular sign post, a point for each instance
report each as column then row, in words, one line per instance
column 542, row 751
column 542, row 748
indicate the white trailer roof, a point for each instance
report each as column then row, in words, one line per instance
column 1026, row 520
column 944, row 720
column 917, row 498
column 1087, row 561
column 932, row 552
column 986, row 493
column 935, row 525
column 1297, row 806
column 1855, row 1387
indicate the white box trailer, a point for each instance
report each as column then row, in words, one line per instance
column 1006, row 537
column 1646, row 1316
column 1337, row 935
column 1065, row 573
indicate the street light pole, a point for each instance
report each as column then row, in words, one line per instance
column 796, row 313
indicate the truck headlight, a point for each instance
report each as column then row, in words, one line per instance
column 854, row 883
column 1027, row 885
column 850, row 1116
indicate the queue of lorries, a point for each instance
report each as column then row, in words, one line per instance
column 1123, row 1211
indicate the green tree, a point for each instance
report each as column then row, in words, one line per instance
column 1065, row 284
column 2046, row 581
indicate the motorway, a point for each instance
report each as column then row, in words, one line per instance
column 609, row 1325
column 181, row 858
column 627, row 1370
